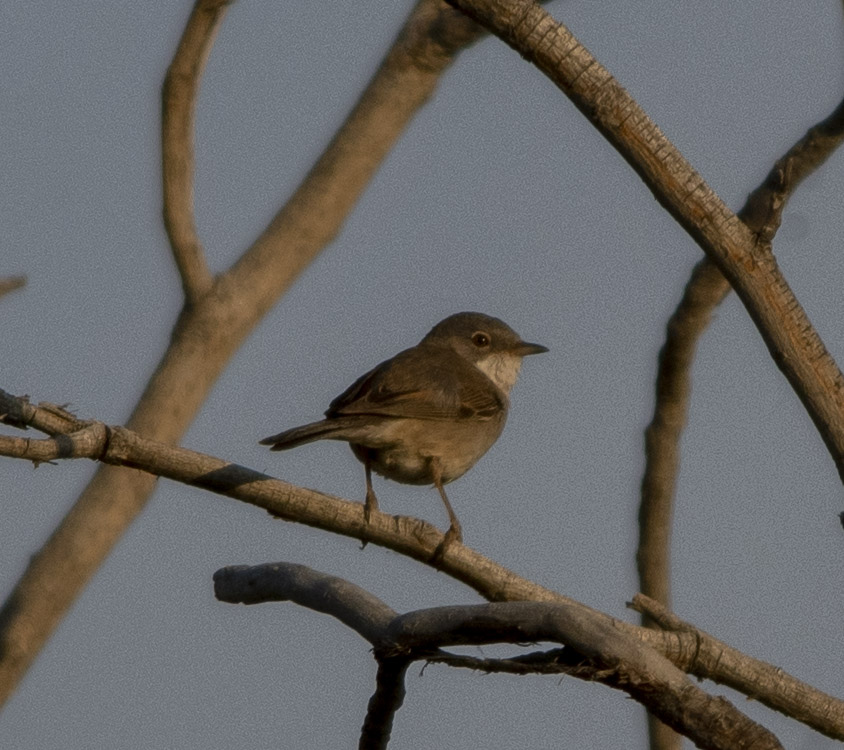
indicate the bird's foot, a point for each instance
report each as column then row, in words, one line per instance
column 454, row 535
column 370, row 505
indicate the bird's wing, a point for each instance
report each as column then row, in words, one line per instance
column 422, row 383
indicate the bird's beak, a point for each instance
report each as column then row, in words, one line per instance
column 524, row 348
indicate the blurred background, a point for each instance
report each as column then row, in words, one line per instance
column 500, row 198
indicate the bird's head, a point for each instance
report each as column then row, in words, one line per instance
column 487, row 342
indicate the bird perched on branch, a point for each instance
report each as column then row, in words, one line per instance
column 428, row 414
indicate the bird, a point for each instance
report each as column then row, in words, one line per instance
column 425, row 416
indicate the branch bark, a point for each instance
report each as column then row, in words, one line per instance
column 613, row 657
column 705, row 290
column 749, row 265
column 179, row 96
column 784, row 693
column 691, row 650
column 211, row 327
column 745, row 260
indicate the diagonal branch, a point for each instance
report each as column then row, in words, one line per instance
column 179, row 96
column 210, row 330
column 823, row 713
column 691, row 651
column 603, row 652
column 763, row 210
column 745, row 259
column 705, row 290
column 748, row 265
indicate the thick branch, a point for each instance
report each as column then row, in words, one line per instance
column 409, row 536
column 614, row 657
column 705, row 290
column 120, row 446
column 355, row 607
column 210, row 330
column 782, row 691
column 748, row 265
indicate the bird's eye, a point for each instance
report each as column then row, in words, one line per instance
column 480, row 339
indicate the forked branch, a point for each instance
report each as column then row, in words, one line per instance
column 705, row 290
column 690, row 651
column 602, row 653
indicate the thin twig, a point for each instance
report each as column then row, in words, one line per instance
column 179, row 95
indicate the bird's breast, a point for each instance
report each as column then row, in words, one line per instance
column 405, row 448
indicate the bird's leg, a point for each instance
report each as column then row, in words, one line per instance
column 371, row 503
column 455, row 532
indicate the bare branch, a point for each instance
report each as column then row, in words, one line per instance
column 409, row 536
column 413, row 537
column 705, row 657
column 385, row 701
column 763, row 210
column 47, row 418
column 355, row 607
column 749, row 265
column 426, row 45
column 10, row 283
column 770, row 684
column 614, row 657
column 209, row 332
column 178, row 99
column 705, row 290
column 620, row 662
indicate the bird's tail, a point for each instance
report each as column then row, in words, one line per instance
column 325, row 429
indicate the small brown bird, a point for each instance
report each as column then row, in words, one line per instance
column 428, row 414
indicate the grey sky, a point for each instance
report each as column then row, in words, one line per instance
column 500, row 198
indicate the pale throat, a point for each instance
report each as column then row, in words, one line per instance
column 501, row 369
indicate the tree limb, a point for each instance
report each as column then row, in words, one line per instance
column 614, row 658
column 385, row 702
column 747, row 263
column 690, row 651
column 179, row 96
column 783, row 692
column 744, row 259
column 211, row 329
column 705, row 290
